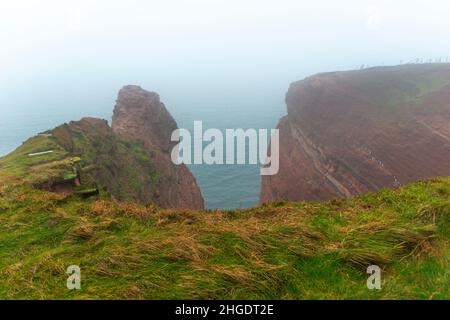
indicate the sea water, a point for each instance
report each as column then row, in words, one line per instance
column 222, row 186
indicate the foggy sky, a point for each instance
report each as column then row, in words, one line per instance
column 201, row 49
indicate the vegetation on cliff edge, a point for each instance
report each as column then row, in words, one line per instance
column 278, row 251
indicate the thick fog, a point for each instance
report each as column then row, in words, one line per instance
column 201, row 50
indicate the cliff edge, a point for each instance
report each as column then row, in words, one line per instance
column 129, row 161
column 347, row 133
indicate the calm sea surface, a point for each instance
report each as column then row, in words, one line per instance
column 223, row 186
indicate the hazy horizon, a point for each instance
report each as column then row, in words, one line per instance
column 87, row 50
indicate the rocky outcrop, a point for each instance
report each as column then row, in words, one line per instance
column 103, row 161
column 347, row 133
column 130, row 160
column 140, row 115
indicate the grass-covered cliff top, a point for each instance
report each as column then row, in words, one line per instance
column 281, row 251
column 87, row 150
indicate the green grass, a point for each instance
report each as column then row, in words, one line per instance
column 122, row 167
column 19, row 163
column 130, row 251
column 400, row 86
column 281, row 251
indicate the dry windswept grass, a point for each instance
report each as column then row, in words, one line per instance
column 285, row 250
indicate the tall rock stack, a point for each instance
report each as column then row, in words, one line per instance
column 140, row 115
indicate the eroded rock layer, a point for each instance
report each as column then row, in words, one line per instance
column 347, row 133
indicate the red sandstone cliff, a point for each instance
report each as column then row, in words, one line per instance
column 347, row 133
column 140, row 115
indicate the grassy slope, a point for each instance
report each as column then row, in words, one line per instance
column 32, row 169
column 406, row 85
column 121, row 166
column 282, row 251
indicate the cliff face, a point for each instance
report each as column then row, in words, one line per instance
column 107, row 162
column 139, row 115
column 129, row 161
column 351, row 132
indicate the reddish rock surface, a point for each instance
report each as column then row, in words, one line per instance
column 352, row 132
column 140, row 115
